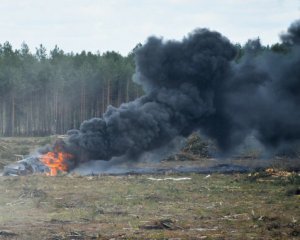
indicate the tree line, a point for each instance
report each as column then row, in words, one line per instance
column 42, row 94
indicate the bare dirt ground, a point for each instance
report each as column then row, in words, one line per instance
column 258, row 205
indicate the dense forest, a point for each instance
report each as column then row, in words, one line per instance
column 49, row 93
column 43, row 94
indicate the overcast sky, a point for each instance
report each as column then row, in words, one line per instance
column 76, row 25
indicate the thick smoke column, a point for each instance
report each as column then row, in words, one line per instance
column 197, row 84
column 263, row 96
column 292, row 37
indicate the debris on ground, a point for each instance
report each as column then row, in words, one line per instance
column 273, row 172
column 32, row 193
column 194, row 149
column 169, row 178
column 161, row 224
column 292, row 191
column 278, row 176
column 25, row 166
column 278, row 173
column 198, row 146
column 73, row 235
column 4, row 233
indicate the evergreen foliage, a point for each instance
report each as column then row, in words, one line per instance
column 42, row 94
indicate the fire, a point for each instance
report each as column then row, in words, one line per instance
column 56, row 161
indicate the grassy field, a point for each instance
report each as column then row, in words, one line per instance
column 261, row 205
column 136, row 207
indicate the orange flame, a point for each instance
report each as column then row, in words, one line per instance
column 56, row 161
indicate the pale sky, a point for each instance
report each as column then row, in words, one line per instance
column 92, row 25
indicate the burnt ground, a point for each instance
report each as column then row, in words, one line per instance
column 263, row 204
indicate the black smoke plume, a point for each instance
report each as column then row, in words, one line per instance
column 199, row 84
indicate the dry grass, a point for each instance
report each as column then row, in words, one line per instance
column 236, row 206
column 134, row 207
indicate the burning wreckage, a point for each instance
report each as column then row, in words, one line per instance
column 26, row 166
column 49, row 163
column 58, row 160
column 190, row 85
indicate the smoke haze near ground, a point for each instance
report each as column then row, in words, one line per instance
column 197, row 84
